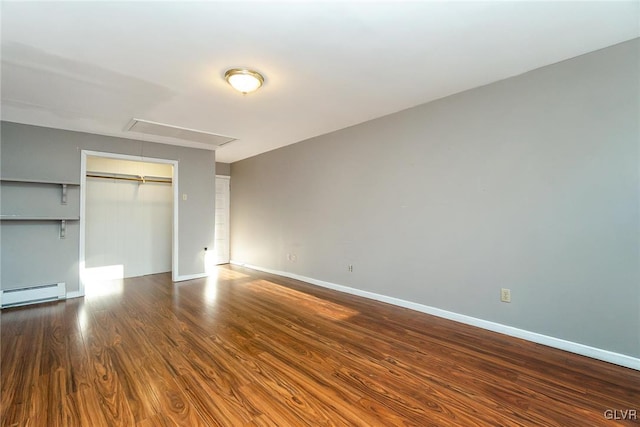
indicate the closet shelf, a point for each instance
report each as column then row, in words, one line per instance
column 128, row 177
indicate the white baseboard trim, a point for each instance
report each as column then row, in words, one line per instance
column 74, row 294
column 190, row 277
column 573, row 347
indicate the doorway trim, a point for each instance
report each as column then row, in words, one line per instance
column 226, row 178
column 83, row 199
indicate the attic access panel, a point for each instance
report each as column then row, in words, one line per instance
column 169, row 131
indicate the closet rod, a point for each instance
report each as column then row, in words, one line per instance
column 135, row 178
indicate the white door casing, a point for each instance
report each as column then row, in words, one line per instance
column 223, row 198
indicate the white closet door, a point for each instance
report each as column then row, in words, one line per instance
column 223, row 198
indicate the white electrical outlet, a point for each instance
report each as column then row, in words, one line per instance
column 350, row 268
column 505, row 295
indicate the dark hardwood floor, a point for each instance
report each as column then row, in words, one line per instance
column 251, row 349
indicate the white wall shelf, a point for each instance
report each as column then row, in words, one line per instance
column 40, row 200
column 39, row 181
column 37, row 218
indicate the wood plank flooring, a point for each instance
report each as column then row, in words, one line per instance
column 251, row 349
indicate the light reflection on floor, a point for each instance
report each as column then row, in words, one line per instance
column 211, row 288
column 103, row 281
column 321, row 307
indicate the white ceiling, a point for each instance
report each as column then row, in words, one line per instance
column 93, row 66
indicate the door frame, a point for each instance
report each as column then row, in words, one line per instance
column 228, row 179
column 83, row 199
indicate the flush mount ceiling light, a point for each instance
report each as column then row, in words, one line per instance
column 244, row 80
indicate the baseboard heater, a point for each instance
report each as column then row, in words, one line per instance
column 32, row 295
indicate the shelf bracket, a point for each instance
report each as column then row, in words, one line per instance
column 63, row 229
column 64, row 194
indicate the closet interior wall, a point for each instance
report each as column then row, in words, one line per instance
column 128, row 218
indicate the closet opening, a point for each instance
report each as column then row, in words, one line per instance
column 128, row 220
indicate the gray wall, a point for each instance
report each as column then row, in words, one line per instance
column 32, row 252
column 530, row 183
column 223, row 169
